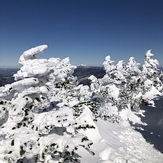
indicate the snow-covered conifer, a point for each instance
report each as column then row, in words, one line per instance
column 106, row 91
column 152, row 78
column 125, row 86
column 41, row 112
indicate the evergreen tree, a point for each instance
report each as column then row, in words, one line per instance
column 152, row 78
column 41, row 119
column 126, row 86
column 44, row 113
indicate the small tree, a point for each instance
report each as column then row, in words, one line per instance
column 106, row 92
column 40, row 116
column 152, row 78
column 126, row 86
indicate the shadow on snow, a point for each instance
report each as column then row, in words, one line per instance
column 153, row 132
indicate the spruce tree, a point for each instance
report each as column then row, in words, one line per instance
column 41, row 116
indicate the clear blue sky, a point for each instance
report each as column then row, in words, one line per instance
column 84, row 30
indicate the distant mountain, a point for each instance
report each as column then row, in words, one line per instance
column 6, row 75
column 82, row 72
column 161, row 68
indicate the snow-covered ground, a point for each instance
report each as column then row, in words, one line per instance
column 118, row 143
column 115, row 143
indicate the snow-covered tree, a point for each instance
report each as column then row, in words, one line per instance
column 41, row 113
column 152, row 78
column 130, row 88
column 126, row 86
column 106, row 92
column 45, row 112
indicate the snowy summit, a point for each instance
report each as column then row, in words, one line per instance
column 46, row 116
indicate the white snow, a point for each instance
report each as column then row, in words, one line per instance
column 120, row 144
column 152, row 93
column 149, row 54
column 40, row 95
column 31, row 53
column 113, row 91
column 128, row 116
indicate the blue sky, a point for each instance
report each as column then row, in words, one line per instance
column 84, row 30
